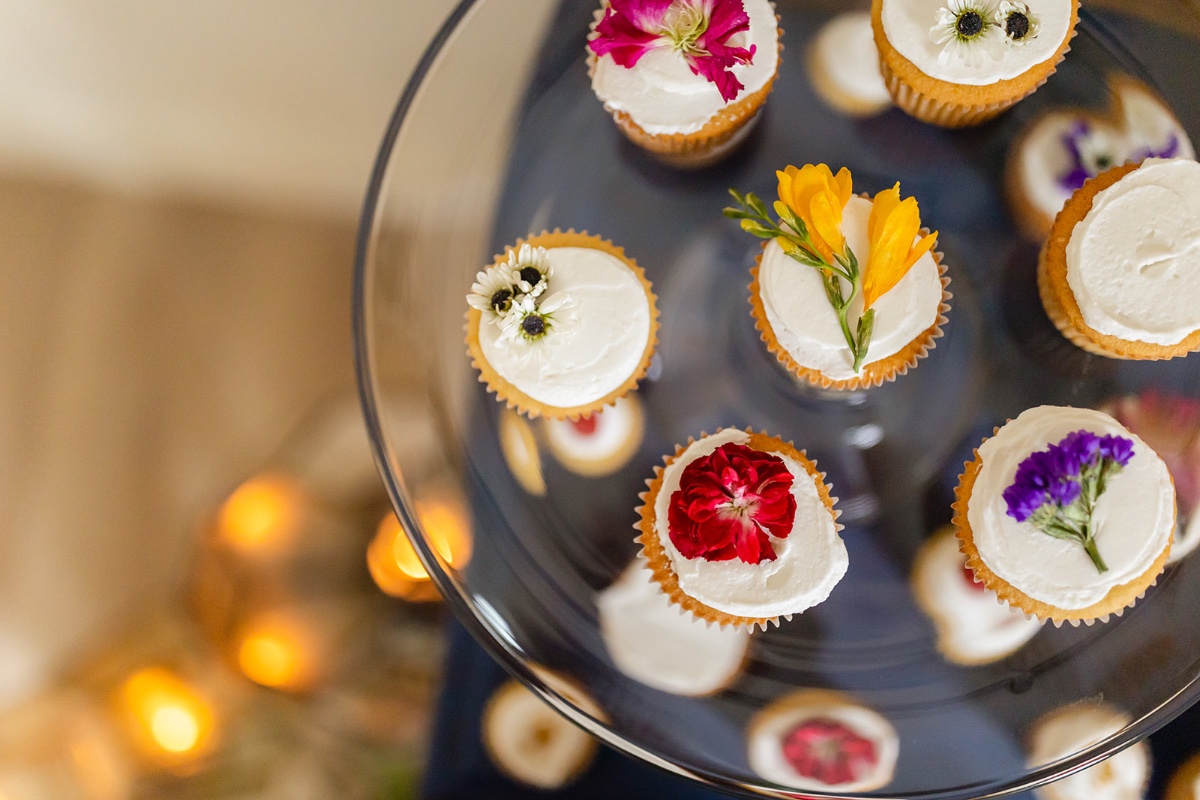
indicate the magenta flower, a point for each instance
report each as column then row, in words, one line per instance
column 697, row 29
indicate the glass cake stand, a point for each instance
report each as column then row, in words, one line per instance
column 498, row 135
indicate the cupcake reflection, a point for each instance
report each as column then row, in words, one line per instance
column 601, row 443
column 661, row 645
column 532, row 743
column 1066, row 731
column 973, row 626
column 822, row 741
column 520, row 450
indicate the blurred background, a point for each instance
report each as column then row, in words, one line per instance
column 180, row 436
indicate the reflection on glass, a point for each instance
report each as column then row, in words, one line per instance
column 599, row 444
column 823, row 741
column 1066, row 146
column 520, row 450
column 661, row 645
column 531, row 742
column 973, row 626
column 843, row 66
column 1066, row 731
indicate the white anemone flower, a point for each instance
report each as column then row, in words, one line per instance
column 528, row 258
column 969, row 33
column 1020, row 27
column 494, row 291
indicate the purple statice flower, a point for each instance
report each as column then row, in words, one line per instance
column 1077, row 174
column 1054, row 475
column 1168, row 150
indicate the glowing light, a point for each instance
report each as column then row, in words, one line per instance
column 260, row 515
column 276, row 653
column 168, row 718
column 394, row 563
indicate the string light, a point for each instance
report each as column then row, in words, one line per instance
column 168, row 718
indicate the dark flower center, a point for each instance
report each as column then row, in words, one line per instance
column 969, row 24
column 1103, row 162
column 533, row 325
column 531, row 275
column 1016, row 26
column 501, row 300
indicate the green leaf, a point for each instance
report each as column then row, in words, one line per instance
column 756, row 205
column 734, row 213
column 757, row 229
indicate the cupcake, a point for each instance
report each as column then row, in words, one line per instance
column 1063, row 148
column 684, row 79
column 1171, row 425
column 844, row 66
column 973, row 626
column 561, row 325
column 1120, row 273
column 662, row 646
column 1065, row 514
column 739, row 528
column 601, row 443
column 822, row 741
column 1066, row 731
column 532, row 743
column 847, row 292
column 1185, row 782
column 961, row 62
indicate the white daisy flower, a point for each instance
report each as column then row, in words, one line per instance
column 531, row 266
column 1019, row 25
column 529, row 321
column 969, row 32
column 494, row 291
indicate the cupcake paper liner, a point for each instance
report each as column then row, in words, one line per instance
column 659, row 562
column 873, row 374
column 954, row 105
column 1114, row 603
column 514, row 397
column 1058, row 299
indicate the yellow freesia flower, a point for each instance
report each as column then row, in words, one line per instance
column 818, row 197
column 892, row 229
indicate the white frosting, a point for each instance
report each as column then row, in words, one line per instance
column 764, row 749
column 1144, row 123
column 531, row 741
column 1133, row 519
column 808, row 563
column 662, row 94
column 845, row 50
column 1069, row 731
column 597, row 354
column 907, row 23
column 806, row 325
column 1133, row 263
column 661, row 645
column 972, row 624
column 617, row 434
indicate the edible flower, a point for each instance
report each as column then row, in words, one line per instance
column 829, row 751
column 969, row 31
column 699, row 30
column 1056, row 489
column 892, row 229
column 817, row 197
column 729, row 503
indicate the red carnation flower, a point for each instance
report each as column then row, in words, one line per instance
column 829, row 752
column 727, row 504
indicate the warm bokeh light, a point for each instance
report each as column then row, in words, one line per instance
column 394, row 563
column 260, row 516
column 276, row 653
column 168, row 718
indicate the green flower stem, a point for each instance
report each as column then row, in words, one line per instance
column 756, row 221
column 1089, row 545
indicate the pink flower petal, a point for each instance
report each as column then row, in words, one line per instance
column 629, row 29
